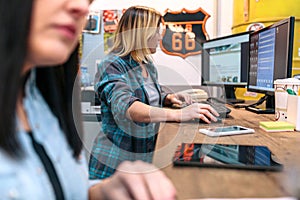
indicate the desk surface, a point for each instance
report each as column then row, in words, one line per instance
column 194, row 182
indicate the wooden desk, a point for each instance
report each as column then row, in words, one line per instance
column 194, row 182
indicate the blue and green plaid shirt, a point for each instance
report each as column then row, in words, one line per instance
column 120, row 83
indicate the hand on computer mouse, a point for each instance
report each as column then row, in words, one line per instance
column 199, row 111
column 219, row 120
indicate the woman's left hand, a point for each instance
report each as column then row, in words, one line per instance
column 178, row 98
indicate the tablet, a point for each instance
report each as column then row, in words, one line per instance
column 226, row 156
column 226, row 130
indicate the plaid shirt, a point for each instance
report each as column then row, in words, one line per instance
column 120, row 84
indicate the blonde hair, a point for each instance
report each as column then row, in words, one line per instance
column 137, row 25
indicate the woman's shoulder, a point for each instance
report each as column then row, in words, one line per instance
column 112, row 58
column 119, row 63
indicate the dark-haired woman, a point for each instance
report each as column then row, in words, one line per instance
column 40, row 147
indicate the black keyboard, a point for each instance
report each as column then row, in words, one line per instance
column 218, row 106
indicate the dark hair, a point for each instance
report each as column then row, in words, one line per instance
column 56, row 83
column 60, row 88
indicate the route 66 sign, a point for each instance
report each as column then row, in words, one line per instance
column 184, row 32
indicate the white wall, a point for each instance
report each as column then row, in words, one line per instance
column 225, row 17
column 174, row 70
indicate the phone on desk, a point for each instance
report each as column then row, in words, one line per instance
column 225, row 131
column 226, row 156
column 196, row 94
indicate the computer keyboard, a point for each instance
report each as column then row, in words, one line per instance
column 218, row 106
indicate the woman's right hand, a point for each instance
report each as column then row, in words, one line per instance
column 198, row 111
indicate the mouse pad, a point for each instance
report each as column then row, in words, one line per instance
column 226, row 156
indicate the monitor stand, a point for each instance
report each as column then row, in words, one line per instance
column 270, row 105
column 230, row 95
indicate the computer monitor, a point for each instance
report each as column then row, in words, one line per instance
column 225, row 63
column 270, row 58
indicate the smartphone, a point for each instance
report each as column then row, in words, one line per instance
column 253, row 157
column 226, row 130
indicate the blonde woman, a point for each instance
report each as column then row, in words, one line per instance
column 132, row 101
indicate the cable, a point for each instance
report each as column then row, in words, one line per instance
column 260, row 101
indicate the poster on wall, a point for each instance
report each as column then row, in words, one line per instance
column 184, row 32
column 110, row 23
column 93, row 23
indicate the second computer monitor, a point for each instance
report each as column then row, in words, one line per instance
column 271, row 55
column 225, row 63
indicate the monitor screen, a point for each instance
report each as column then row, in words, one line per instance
column 225, row 62
column 270, row 58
